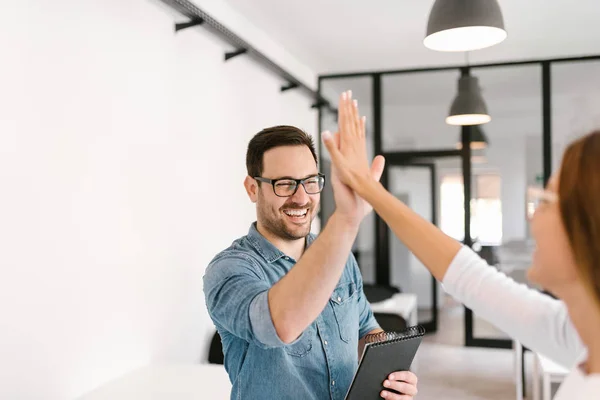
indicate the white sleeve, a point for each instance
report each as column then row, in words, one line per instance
column 538, row 321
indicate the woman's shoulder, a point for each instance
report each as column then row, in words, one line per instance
column 590, row 388
column 578, row 386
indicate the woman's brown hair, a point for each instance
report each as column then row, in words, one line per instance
column 579, row 193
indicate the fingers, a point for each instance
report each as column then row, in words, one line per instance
column 349, row 107
column 330, row 143
column 336, row 140
column 404, row 382
column 356, row 118
column 352, row 109
column 336, row 144
column 363, row 126
column 394, row 396
column 377, row 167
column 346, row 125
column 402, row 387
column 405, row 376
column 350, row 123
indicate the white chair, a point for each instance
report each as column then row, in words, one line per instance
column 548, row 372
column 402, row 304
column 518, row 353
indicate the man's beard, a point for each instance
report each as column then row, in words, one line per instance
column 274, row 222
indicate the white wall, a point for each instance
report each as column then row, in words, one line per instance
column 121, row 165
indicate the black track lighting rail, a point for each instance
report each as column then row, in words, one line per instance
column 197, row 17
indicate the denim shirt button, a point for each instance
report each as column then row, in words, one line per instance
column 325, row 343
column 333, row 383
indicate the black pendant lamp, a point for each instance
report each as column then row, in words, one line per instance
column 468, row 107
column 479, row 140
column 464, row 25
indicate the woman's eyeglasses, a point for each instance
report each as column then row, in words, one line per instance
column 536, row 197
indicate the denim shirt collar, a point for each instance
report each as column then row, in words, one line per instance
column 266, row 248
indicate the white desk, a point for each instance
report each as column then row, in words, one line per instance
column 402, row 304
column 167, row 382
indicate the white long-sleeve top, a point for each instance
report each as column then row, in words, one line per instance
column 538, row 321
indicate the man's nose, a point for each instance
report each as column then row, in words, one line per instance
column 300, row 197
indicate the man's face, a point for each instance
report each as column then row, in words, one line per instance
column 288, row 218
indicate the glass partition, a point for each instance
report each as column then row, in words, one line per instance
column 575, row 104
column 362, row 90
column 512, row 163
column 415, row 107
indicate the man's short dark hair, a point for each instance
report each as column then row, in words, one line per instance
column 269, row 138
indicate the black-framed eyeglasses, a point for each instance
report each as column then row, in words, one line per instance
column 286, row 187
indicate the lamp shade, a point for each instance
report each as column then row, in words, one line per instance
column 479, row 140
column 468, row 107
column 464, row 25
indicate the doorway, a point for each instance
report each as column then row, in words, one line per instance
column 413, row 179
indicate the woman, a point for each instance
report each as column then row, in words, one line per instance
column 566, row 227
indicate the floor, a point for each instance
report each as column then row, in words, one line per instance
column 452, row 324
column 448, row 370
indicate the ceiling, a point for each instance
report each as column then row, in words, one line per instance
column 338, row 36
column 352, row 35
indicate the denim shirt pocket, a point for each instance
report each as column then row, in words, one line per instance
column 343, row 302
column 303, row 345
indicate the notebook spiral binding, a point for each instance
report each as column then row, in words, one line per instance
column 382, row 338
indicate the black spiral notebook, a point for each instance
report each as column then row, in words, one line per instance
column 384, row 353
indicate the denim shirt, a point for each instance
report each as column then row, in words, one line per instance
column 319, row 364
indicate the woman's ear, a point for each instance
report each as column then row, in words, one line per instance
column 251, row 188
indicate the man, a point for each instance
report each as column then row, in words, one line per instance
column 290, row 307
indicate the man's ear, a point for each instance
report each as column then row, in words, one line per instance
column 251, row 188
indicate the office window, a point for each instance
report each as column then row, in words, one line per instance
column 486, row 208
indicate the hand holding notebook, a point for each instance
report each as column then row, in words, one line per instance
column 402, row 384
column 384, row 353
